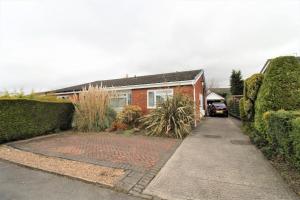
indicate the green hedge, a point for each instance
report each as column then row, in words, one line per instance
column 279, row 90
column 283, row 134
column 296, row 141
column 23, row 118
column 251, row 88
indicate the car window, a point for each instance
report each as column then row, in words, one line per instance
column 220, row 105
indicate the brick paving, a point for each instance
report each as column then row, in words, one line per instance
column 140, row 156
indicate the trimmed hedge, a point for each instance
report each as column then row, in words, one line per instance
column 23, row 118
column 251, row 88
column 283, row 134
column 296, row 141
column 279, row 90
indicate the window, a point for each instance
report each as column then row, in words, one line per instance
column 156, row 97
column 120, row 100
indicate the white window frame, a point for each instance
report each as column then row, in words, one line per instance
column 168, row 90
column 121, row 95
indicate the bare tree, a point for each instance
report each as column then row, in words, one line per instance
column 212, row 83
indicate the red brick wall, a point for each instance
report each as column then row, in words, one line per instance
column 139, row 98
column 187, row 90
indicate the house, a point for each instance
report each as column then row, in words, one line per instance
column 147, row 91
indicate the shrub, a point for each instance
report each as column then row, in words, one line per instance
column 174, row 118
column 251, row 88
column 296, row 141
column 92, row 111
column 130, row 115
column 279, row 90
column 279, row 126
column 23, row 118
column 252, row 85
column 117, row 125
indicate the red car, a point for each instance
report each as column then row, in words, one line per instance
column 218, row 108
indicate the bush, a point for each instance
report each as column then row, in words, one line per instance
column 117, row 125
column 296, row 141
column 92, row 111
column 130, row 115
column 279, row 90
column 174, row 118
column 23, row 118
column 279, row 127
column 251, row 88
column 252, row 85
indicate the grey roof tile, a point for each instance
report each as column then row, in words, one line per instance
column 138, row 80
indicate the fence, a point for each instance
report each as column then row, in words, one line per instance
column 234, row 105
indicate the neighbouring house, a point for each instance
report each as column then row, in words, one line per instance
column 147, row 91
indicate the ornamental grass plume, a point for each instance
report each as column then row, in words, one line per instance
column 92, row 109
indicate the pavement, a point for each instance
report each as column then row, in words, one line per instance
column 19, row 183
column 218, row 162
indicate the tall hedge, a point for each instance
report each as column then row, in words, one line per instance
column 283, row 134
column 279, row 90
column 296, row 141
column 251, row 88
column 23, row 118
column 279, row 127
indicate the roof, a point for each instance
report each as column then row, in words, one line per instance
column 214, row 96
column 137, row 80
column 267, row 63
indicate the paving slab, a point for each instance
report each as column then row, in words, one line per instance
column 218, row 162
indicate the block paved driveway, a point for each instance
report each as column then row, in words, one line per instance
column 217, row 162
column 141, row 156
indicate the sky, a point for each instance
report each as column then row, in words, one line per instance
column 49, row 44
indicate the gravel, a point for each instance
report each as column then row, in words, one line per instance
column 80, row 170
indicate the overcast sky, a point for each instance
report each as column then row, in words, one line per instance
column 48, row 44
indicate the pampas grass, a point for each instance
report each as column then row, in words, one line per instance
column 92, row 110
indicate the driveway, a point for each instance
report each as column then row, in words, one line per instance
column 18, row 183
column 217, row 162
column 139, row 157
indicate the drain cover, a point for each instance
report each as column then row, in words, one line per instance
column 240, row 142
column 212, row 136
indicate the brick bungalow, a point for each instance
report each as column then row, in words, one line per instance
column 147, row 91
